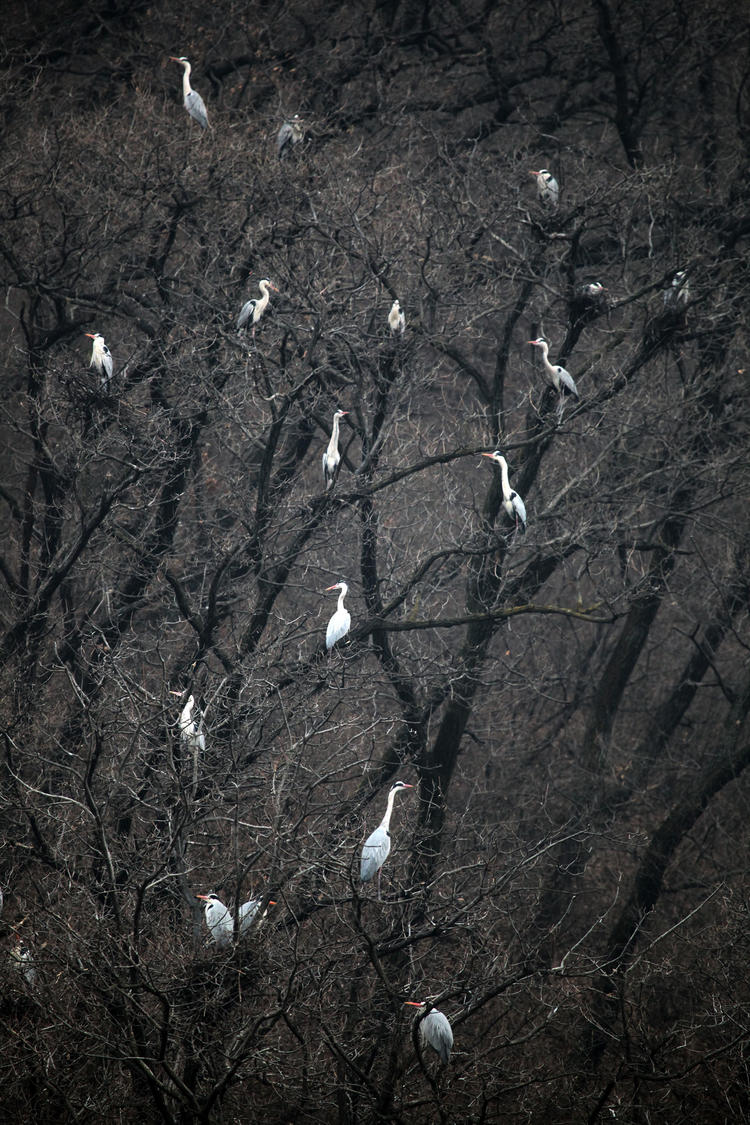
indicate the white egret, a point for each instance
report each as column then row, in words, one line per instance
column 512, row 502
column 101, row 358
column 331, row 457
column 220, row 921
column 341, row 621
column 192, row 100
column 434, row 1029
column 547, row 187
column 253, row 309
column 396, row 319
column 290, row 134
column 562, row 380
column 677, row 294
column 378, row 844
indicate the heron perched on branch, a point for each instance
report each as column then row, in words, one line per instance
column 512, row 502
column 562, row 380
column 221, row 923
column 290, row 134
column 396, row 319
column 101, row 358
column 341, row 621
column 434, row 1029
column 192, row 100
column 331, row 456
column 378, row 844
column 253, row 310
column 547, row 187
column 677, row 295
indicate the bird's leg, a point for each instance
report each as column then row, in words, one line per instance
column 560, row 408
column 380, row 869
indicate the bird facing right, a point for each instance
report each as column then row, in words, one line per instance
column 396, row 319
column 377, row 846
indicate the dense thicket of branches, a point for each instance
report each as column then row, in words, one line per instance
column 569, row 877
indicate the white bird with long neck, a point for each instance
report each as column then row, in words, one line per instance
column 512, row 502
column 547, row 187
column 396, row 319
column 562, row 380
column 341, row 621
column 253, row 309
column 192, row 100
column 219, row 918
column 434, row 1028
column 377, row 846
column 331, row 457
column 101, row 358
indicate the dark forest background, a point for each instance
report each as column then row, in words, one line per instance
column 569, row 878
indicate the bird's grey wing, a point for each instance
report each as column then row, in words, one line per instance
column 374, row 854
column 245, row 313
column 284, row 137
column 568, row 382
column 196, row 108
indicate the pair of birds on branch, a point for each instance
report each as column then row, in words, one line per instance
column 290, row 133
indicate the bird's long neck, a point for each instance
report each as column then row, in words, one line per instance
column 339, row 607
column 186, row 79
column 545, row 357
column 385, row 822
column 334, row 443
column 504, row 476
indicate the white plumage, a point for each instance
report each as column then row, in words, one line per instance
column 331, row 457
column 396, row 319
column 101, row 358
column 377, row 846
column 192, row 100
column 220, row 921
column 190, row 729
column 341, row 621
column 434, row 1028
column 253, row 309
column 547, row 187
column 512, row 502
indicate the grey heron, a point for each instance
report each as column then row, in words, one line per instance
column 341, row 621
column 331, row 457
column 434, row 1029
column 290, row 134
column 378, row 844
column 562, row 380
column 677, row 294
column 192, row 100
column 512, row 502
column 253, row 309
column 396, row 319
column 219, row 918
column 101, row 358
column 547, row 187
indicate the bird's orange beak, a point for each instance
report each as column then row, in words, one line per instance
column 272, row 903
column 204, row 897
column 413, row 1003
column 173, row 58
column 487, row 455
column 533, row 173
column 90, row 335
column 334, row 587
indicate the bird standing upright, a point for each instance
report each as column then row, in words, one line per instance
column 220, row 921
column 290, row 134
column 512, row 502
column 378, row 844
column 547, row 187
column 331, row 456
column 562, row 380
column 190, row 728
column 253, row 309
column 677, row 294
column 339, row 624
column 396, row 319
column 192, row 100
column 434, row 1029
column 101, row 358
